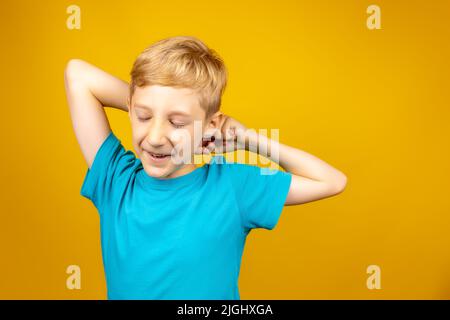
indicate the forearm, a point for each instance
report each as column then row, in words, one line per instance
column 110, row 91
column 295, row 161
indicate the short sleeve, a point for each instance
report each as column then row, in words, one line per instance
column 111, row 168
column 260, row 192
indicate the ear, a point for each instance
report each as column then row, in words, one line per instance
column 211, row 132
column 214, row 121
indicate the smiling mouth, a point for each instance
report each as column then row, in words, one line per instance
column 157, row 155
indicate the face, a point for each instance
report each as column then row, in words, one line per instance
column 162, row 120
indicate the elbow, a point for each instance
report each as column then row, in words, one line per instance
column 340, row 183
column 73, row 69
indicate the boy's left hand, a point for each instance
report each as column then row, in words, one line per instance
column 230, row 136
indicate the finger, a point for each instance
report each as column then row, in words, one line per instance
column 230, row 133
column 210, row 147
column 217, row 135
column 229, row 146
column 210, row 136
column 198, row 150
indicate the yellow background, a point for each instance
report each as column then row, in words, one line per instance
column 372, row 103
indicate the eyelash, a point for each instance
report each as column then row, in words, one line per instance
column 173, row 124
column 177, row 125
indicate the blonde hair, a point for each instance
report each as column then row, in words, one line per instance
column 182, row 62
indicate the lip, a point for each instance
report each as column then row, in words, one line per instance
column 156, row 160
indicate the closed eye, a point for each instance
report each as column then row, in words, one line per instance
column 173, row 123
column 177, row 124
column 143, row 117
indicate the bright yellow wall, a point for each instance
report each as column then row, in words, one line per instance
column 373, row 103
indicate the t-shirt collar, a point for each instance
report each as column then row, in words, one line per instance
column 190, row 178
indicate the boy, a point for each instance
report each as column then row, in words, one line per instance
column 170, row 229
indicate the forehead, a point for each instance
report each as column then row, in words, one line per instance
column 162, row 98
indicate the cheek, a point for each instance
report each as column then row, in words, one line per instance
column 180, row 136
column 139, row 129
column 138, row 134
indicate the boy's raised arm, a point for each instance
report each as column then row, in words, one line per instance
column 312, row 178
column 88, row 90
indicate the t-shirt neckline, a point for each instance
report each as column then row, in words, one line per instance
column 169, row 183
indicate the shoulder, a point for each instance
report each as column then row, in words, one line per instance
column 113, row 153
column 219, row 163
column 112, row 167
column 239, row 172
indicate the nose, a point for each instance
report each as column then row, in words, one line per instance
column 156, row 133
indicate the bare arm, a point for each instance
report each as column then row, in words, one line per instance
column 312, row 178
column 88, row 90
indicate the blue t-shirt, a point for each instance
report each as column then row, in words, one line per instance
column 178, row 238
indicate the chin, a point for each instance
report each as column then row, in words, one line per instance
column 156, row 172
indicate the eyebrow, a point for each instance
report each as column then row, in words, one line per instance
column 140, row 106
column 181, row 113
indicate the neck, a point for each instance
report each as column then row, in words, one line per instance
column 183, row 170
